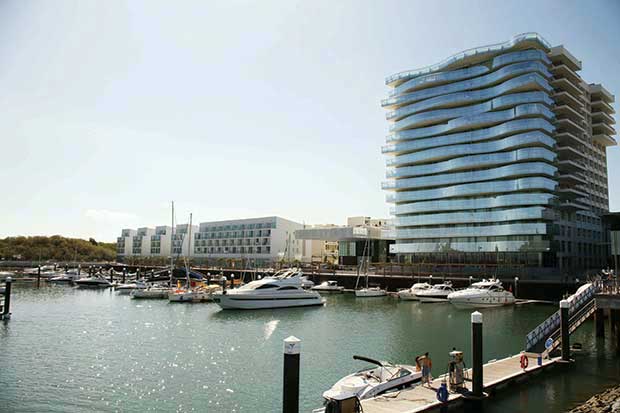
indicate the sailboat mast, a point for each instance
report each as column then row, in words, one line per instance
column 189, row 250
column 172, row 246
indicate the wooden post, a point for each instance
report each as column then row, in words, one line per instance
column 290, row 394
column 564, row 329
column 124, row 274
column 39, row 276
column 476, row 348
column 516, row 286
column 6, row 311
column 599, row 317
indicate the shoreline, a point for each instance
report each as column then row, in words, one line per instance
column 607, row 401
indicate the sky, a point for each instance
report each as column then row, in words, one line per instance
column 233, row 109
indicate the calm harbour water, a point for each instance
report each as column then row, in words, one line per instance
column 69, row 350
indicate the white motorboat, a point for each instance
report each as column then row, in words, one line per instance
column 126, row 289
column 306, row 283
column 328, row 287
column 370, row 292
column 281, row 290
column 374, row 381
column 438, row 293
column 486, row 293
column 195, row 295
column 69, row 277
column 410, row 293
column 93, row 282
column 151, row 292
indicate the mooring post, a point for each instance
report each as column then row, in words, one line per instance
column 223, row 280
column 6, row 313
column 564, row 327
column 38, row 276
column 516, row 286
column 476, row 348
column 124, row 274
column 599, row 317
column 290, row 395
column 79, row 270
column 111, row 275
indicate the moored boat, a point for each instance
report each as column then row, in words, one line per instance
column 410, row 294
column 93, row 282
column 370, row 292
column 438, row 293
column 328, row 287
column 483, row 294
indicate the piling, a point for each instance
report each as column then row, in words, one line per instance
column 564, row 329
column 38, row 276
column 599, row 317
column 111, row 275
column 516, row 286
column 79, row 270
column 476, row 348
column 290, row 395
column 223, row 280
column 6, row 310
column 124, row 274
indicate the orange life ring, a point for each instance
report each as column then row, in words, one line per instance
column 524, row 361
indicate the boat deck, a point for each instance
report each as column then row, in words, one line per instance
column 423, row 399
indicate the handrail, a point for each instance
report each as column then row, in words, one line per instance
column 574, row 322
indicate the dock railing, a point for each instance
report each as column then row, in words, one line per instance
column 578, row 301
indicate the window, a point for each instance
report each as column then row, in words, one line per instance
column 266, row 286
column 287, row 287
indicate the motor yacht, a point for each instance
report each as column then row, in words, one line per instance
column 370, row 292
column 438, row 293
column 486, row 293
column 93, row 282
column 151, row 292
column 126, row 289
column 373, row 381
column 306, row 282
column 69, row 277
column 328, row 287
column 281, row 290
column 410, row 293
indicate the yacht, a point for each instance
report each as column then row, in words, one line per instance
column 126, row 289
column 283, row 289
column 370, row 292
column 69, row 277
column 374, row 381
column 438, row 293
column 410, row 293
column 328, row 287
column 486, row 293
column 306, row 282
column 93, row 282
column 153, row 292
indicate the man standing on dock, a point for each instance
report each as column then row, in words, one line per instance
column 427, row 365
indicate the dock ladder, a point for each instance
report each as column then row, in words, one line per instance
column 581, row 306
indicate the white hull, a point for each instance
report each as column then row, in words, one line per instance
column 466, row 305
column 233, row 301
column 189, row 297
column 328, row 290
column 429, row 299
column 370, row 293
column 407, row 296
column 155, row 293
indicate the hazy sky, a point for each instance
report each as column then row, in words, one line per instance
column 110, row 109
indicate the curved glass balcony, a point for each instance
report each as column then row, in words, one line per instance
column 520, row 56
column 504, row 215
column 533, row 38
column 500, row 201
column 397, row 97
column 482, row 189
column 528, row 139
column 475, row 161
column 473, row 122
column 507, row 128
column 509, row 171
column 530, row 80
column 450, row 76
column 472, row 231
column 474, row 246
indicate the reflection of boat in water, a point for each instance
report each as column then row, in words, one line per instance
column 328, row 287
column 279, row 291
column 439, row 293
column 374, row 381
column 486, row 293
column 410, row 293
column 93, row 282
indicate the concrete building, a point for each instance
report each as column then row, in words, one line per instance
column 124, row 243
column 500, row 151
column 361, row 236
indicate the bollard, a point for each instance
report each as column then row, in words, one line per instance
column 516, row 286
column 6, row 313
column 290, row 396
column 476, row 348
column 565, row 332
column 38, row 276
column 124, row 274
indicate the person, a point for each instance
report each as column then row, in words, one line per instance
column 417, row 363
column 427, row 365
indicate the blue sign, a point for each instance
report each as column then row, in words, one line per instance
column 548, row 343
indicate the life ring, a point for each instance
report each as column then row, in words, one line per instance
column 442, row 393
column 524, row 361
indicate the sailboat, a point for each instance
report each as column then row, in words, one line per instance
column 367, row 291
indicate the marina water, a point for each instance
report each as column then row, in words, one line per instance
column 68, row 350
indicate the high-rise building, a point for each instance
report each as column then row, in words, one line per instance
column 498, row 154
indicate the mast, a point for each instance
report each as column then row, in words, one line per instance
column 189, row 250
column 172, row 246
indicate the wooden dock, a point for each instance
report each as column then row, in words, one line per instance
column 424, row 399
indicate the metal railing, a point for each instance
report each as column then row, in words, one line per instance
column 575, row 321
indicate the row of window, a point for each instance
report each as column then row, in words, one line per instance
column 238, row 226
column 581, row 248
column 238, row 242
column 233, row 250
column 234, row 234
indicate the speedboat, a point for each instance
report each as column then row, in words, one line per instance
column 151, row 292
column 126, row 289
column 438, row 293
column 93, row 282
column 70, row 276
column 374, row 381
column 410, row 293
column 370, row 292
column 283, row 289
column 306, row 282
column 328, row 287
column 486, row 293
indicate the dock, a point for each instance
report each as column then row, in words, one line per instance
column 497, row 373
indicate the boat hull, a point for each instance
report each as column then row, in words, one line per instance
column 149, row 294
column 370, row 293
column 432, row 299
column 408, row 296
column 328, row 290
column 235, row 302
column 465, row 305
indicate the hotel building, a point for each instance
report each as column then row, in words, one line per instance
column 500, row 151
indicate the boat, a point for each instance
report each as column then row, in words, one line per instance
column 438, row 293
column 93, row 282
column 306, row 282
column 195, row 295
column 486, row 293
column 373, row 381
column 126, row 289
column 363, row 267
column 328, row 287
column 281, row 290
column 151, row 292
column 69, row 277
column 410, row 293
